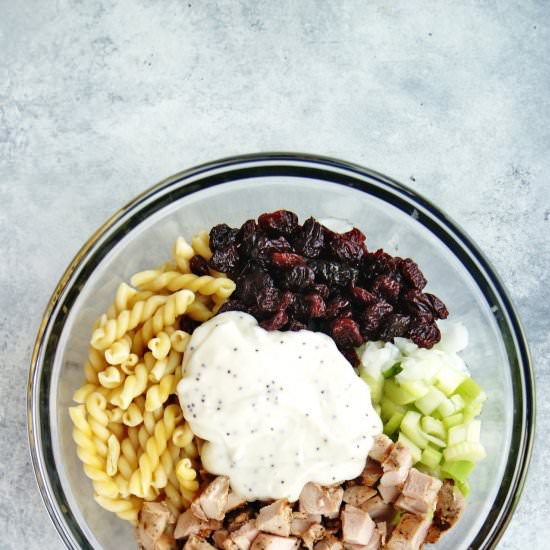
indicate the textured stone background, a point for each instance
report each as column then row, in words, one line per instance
column 100, row 99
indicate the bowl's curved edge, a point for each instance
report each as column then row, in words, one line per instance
column 525, row 452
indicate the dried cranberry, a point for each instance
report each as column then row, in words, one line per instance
column 250, row 282
column 309, row 240
column 438, row 307
column 345, row 250
column 298, row 277
column 295, row 325
column 355, row 235
column 286, row 260
column 280, row 222
column 246, row 237
column 418, row 303
column 333, row 273
column 372, row 316
column 395, row 325
column 336, row 308
column 225, row 260
column 346, row 333
column 264, row 248
column 362, row 296
column 308, row 306
column 386, row 287
column 351, row 356
column 268, row 300
column 412, row 274
column 321, row 289
column 424, row 335
column 222, row 235
column 199, row 266
column 377, row 263
column 277, row 322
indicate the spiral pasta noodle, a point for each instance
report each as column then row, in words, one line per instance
column 182, row 253
column 201, row 244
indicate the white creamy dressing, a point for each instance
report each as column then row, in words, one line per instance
column 276, row 409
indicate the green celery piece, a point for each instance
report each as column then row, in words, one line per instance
column 456, row 434
column 388, row 408
column 397, row 394
column 431, row 457
column 448, row 379
column 465, row 451
column 463, row 487
column 392, row 425
column 468, row 390
column 415, row 451
column 432, row 426
column 410, row 426
column 396, row 518
column 392, row 371
column 429, row 402
column 458, row 470
column 446, row 408
column 453, row 420
column 376, row 385
column 418, row 388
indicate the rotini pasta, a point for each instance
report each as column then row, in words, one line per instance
column 111, row 377
column 160, row 345
column 201, row 244
column 182, row 253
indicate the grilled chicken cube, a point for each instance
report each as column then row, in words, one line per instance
column 450, row 504
column 329, row 542
column 315, row 499
column 197, row 543
column 390, row 493
column 312, row 534
column 265, row 541
column 219, row 537
column 381, row 447
column 242, row 538
column 154, row 518
column 371, row 473
column 189, row 524
column 302, row 521
column 213, row 500
column 419, row 493
column 275, row 518
column 357, row 525
column 356, row 495
column 396, row 465
column 233, row 502
column 409, row 533
column 377, row 509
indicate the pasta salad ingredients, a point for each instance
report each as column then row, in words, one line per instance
column 292, row 277
column 276, row 410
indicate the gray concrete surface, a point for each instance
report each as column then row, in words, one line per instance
column 101, row 98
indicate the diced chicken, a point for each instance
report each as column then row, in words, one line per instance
column 240, row 517
column 330, row 542
column 357, row 525
column 419, row 493
column 154, row 518
column 389, row 493
column 265, row 541
column 242, row 538
column 409, row 533
column 233, row 501
column 189, row 524
column 371, row 473
column 213, row 499
column 166, row 542
column 381, row 447
column 301, row 521
column 377, row 509
column 219, row 537
column 374, row 541
column 396, row 465
column 275, row 518
column 197, row 543
column 358, row 494
column 198, row 511
column 450, row 504
column 315, row 499
column 313, row 534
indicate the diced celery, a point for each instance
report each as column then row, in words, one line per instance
column 434, row 440
column 415, row 451
column 446, row 408
column 431, row 457
column 433, row 426
column 430, row 402
column 453, row 420
column 458, row 402
column 392, row 371
column 456, row 434
column 392, row 425
column 396, row 518
column 473, row 409
column 415, row 387
column 473, row 431
column 411, row 428
column 463, row 487
column 448, row 379
column 459, row 470
column 465, row 451
column 397, row 394
column 388, row 408
column 468, row 390
column 375, row 384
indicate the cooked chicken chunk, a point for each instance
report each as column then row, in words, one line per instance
column 219, row 537
column 357, row 525
column 371, row 473
column 330, row 542
column 275, row 518
column 419, row 493
column 242, row 538
column 390, row 493
column 358, row 494
column 381, row 447
column 189, row 524
column 315, row 499
column 233, row 502
column 265, row 541
column 213, row 500
column 312, row 534
column 396, row 465
column 302, row 521
column 450, row 504
column 377, row 509
column 409, row 533
column 153, row 520
column 197, row 543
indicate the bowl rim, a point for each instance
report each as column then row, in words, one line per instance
column 337, row 171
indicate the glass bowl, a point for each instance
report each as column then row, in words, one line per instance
column 232, row 191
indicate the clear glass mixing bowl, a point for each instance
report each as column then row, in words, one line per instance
column 232, row 191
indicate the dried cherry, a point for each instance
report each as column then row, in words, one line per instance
column 309, row 240
column 280, row 222
column 222, row 235
column 346, row 333
column 198, row 265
